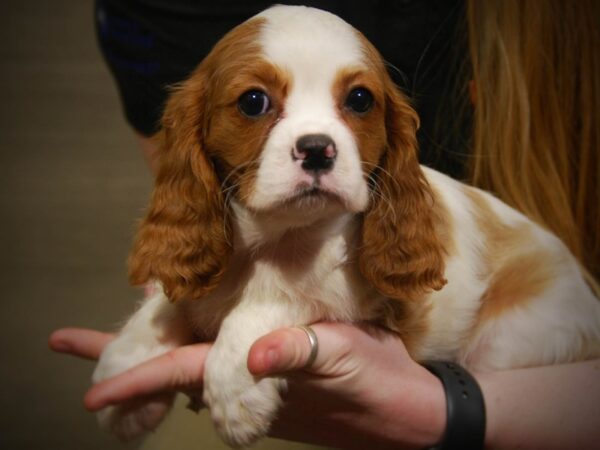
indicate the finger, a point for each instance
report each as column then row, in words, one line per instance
column 181, row 369
column 81, row 342
column 289, row 349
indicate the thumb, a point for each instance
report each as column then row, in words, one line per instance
column 288, row 349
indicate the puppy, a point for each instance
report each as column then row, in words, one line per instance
column 290, row 192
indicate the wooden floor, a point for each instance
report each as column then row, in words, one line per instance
column 72, row 184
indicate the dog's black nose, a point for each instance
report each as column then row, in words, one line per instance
column 316, row 151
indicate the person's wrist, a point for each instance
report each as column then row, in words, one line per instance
column 436, row 411
column 489, row 390
column 425, row 406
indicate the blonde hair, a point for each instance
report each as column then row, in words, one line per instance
column 536, row 120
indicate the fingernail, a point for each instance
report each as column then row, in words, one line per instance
column 96, row 398
column 272, row 360
column 268, row 363
column 89, row 404
column 59, row 346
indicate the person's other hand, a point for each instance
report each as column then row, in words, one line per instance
column 178, row 370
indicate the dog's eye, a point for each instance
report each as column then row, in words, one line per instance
column 359, row 100
column 254, row 103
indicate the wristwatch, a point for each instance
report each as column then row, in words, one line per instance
column 465, row 423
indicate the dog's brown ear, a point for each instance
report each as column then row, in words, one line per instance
column 401, row 253
column 184, row 240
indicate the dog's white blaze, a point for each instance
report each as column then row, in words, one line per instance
column 312, row 46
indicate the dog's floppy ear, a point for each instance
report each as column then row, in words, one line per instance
column 184, row 240
column 400, row 253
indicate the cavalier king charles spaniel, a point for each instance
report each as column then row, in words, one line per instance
column 289, row 192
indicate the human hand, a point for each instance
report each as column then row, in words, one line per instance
column 363, row 390
column 180, row 369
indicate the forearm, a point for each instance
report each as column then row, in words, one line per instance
column 552, row 407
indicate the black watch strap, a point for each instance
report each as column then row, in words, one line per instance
column 465, row 424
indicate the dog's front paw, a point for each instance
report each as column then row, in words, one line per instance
column 242, row 409
column 131, row 420
column 134, row 418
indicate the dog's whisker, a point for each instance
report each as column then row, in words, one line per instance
column 378, row 169
column 234, row 171
column 385, row 200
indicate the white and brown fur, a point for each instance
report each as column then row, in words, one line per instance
column 241, row 240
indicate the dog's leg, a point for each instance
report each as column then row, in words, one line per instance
column 242, row 406
column 155, row 328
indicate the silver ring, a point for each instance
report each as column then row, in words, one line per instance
column 314, row 345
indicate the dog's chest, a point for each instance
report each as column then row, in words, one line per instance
column 314, row 279
column 318, row 274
